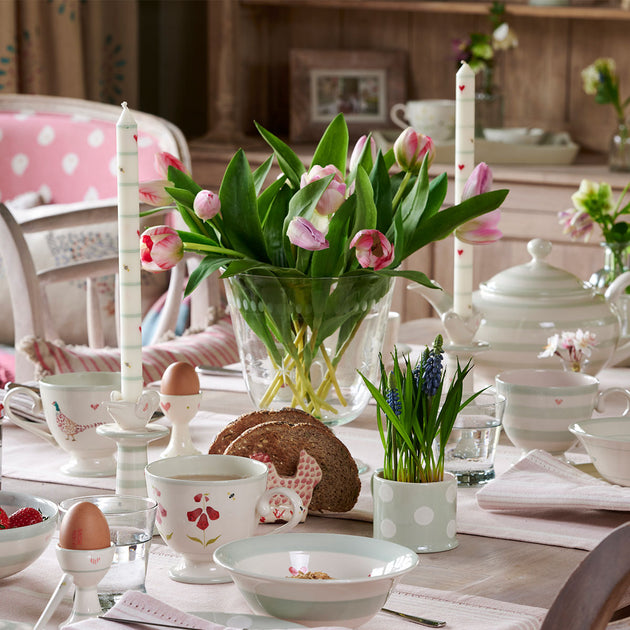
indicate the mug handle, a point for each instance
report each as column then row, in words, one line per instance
column 33, row 427
column 264, row 508
column 599, row 407
column 396, row 118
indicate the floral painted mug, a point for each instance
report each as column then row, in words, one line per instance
column 205, row 501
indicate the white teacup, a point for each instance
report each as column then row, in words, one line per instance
column 541, row 404
column 74, row 404
column 432, row 117
column 205, row 501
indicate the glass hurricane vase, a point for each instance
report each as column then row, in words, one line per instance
column 302, row 341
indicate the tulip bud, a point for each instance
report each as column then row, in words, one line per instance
column 161, row 248
column 357, row 152
column 372, row 249
column 335, row 193
column 479, row 181
column 154, row 194
column 206, row 204
column 480, row 230
column 302, row 233
column 163, row 160
column 410, row 149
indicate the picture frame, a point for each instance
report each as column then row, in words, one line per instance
column 364, row 85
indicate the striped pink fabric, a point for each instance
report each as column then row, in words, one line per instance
column 214, row 346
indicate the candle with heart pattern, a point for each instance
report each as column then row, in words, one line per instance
column 129, row 256
column 464, row 165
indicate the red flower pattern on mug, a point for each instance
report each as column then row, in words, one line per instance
column 202, row 516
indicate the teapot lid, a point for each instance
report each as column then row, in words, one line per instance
column 536, row 278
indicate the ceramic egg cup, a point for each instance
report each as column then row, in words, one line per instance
column 87, row 567
column 180, row 410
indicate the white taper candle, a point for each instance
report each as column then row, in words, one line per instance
column 464, row 165
column 130, row 308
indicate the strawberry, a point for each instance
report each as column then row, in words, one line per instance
column 4, row 520
column 25, row 516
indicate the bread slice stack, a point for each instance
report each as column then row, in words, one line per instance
column 282, row 435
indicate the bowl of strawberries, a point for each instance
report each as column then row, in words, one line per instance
column 27, row 523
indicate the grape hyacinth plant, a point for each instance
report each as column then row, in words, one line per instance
column 415, row 412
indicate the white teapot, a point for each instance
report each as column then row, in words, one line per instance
column 520, row 308
column 523, row 306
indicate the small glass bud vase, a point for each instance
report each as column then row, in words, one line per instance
column 619, row 153
column 569, row 365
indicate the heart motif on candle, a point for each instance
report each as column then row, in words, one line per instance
column 165, row 406
column 559, row 401
column 460, row 252
column 461, row 167
column 94, row 406
column 135, row 137
column 462, row 88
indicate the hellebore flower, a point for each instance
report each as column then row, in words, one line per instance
column 504, row 38
column 578, row 224
column 161, row 248
column 302, row 233
column 481, row 230
column 163, row 160
column 478, row 182
column 411, row 147
column 372, row 249
column 334, row 195
column 591, row 196
column 206, row 204
column 154, row 194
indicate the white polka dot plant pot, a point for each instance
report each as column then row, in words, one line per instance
column 420, row 516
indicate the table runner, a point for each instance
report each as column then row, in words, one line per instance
column 27, row 457
column 24, row 596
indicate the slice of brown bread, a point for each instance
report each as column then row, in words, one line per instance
column 282, row 441
column 231, row 431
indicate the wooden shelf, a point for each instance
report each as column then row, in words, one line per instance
column 599, row 12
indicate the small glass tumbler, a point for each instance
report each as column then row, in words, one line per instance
column 131, row 520
column 472, row 445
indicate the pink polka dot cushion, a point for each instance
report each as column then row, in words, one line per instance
column 216, row 345
column 62, row 157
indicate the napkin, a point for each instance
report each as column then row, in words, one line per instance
column 540, row 480
column 140, row 607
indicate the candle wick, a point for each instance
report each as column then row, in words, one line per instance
column 124, row 104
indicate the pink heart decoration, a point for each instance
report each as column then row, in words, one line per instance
column 165, row 406
column 94, row 406
column 460, row 252
column 559, row 401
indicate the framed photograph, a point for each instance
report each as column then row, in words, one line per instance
column 363, row 85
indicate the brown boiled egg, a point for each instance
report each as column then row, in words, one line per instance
column 84, row 527
column 179, row 379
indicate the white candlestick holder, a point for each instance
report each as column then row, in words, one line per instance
column 132, row 435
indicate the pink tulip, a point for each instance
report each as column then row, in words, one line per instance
column 480, row 230
column 372, row 249
column 302, row 233
column 153, row 193
column 411, row 147
column 334, row 195
column 163, row 160
column 358, row 150
column 478, row 182
column 161, row 248
column 206, row 204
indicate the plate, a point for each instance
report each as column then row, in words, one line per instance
column 240, row 620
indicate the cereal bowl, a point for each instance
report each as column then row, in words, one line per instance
column 607, row 441
column 21, row 546
column 272, row 574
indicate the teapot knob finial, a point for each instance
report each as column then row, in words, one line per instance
column 539, row 248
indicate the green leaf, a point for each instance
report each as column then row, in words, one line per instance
column 323, row 264
column 239, row 210
column 273, row 229
column 365, row 216
column 179, row 179
column 208, row 265
column 183, row 196
column 260, row 174
column 333, row 146
column 303, row 203
column 409, row 274
column 196, row 238
column 289, row 162
column 382, row 188
column 267, row 197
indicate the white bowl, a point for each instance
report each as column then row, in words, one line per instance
column 514, row 135
column 364, row 570
column 607, row 441
column 20, row 546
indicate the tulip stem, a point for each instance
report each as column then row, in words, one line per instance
column 400, row 191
